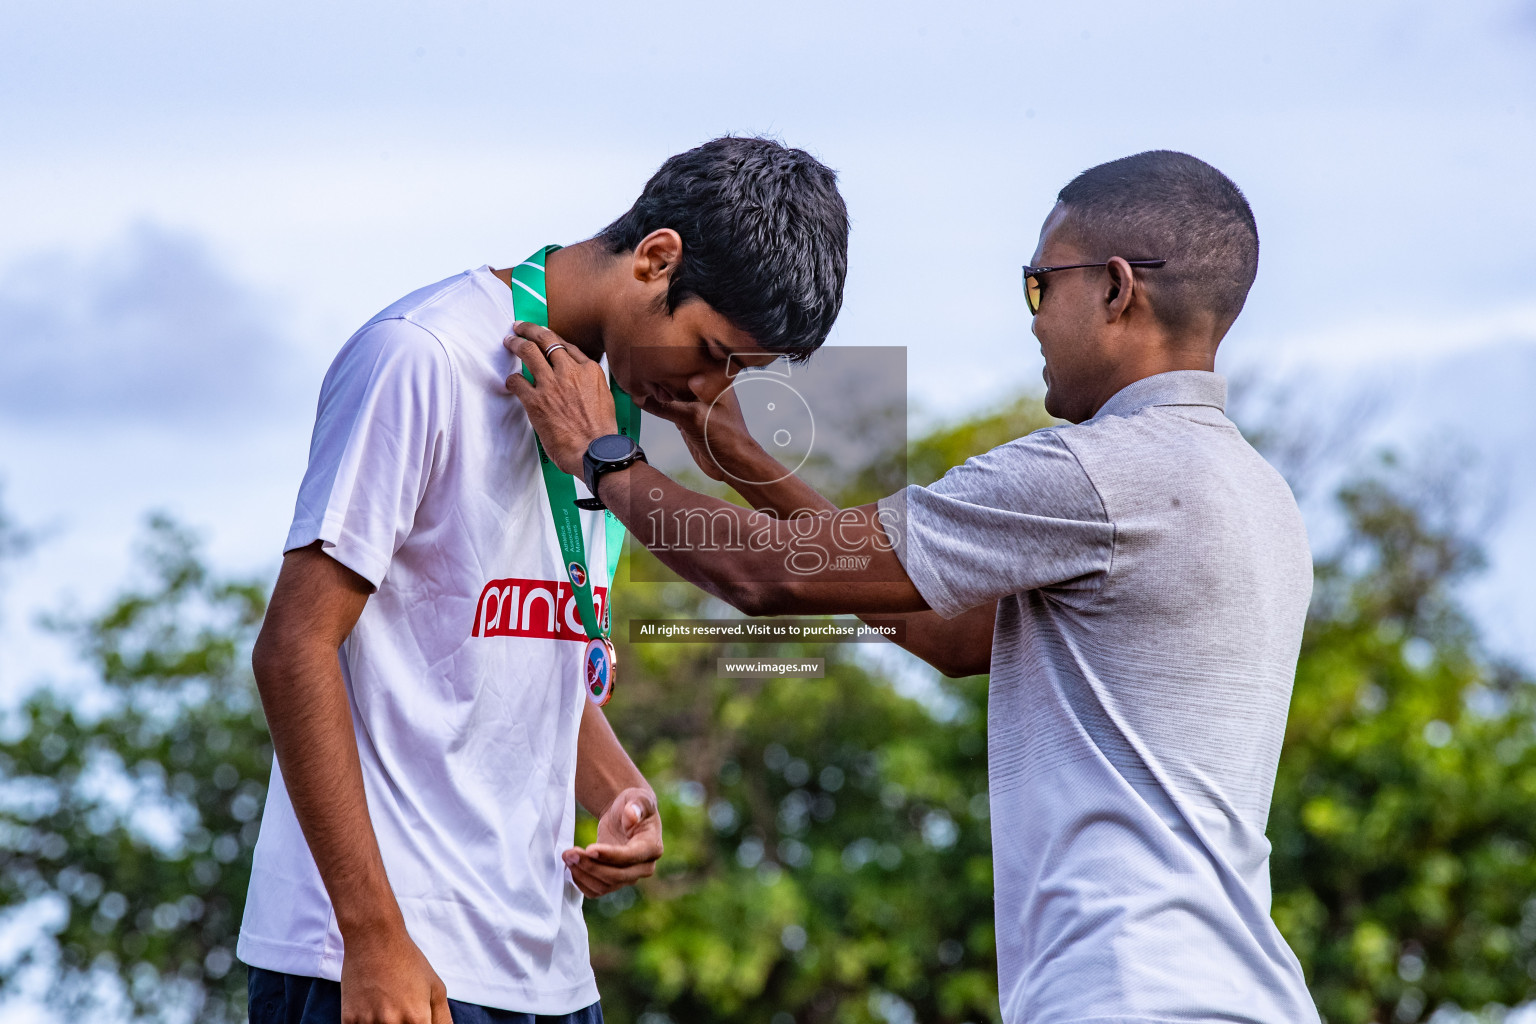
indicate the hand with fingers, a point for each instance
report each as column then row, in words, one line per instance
column 723, row 447
column 385, row 979
column 627, row 848
column 568, row 402
column 712, row 424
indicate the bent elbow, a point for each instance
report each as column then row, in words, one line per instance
column 758, row 599
column 266, row 661
column 261, row 657
column 275, row 662
column 962, row 667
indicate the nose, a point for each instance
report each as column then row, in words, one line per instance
column 718, row 378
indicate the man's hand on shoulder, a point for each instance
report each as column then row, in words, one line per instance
column 568, row 402
column 385, row 979
column 627, row 848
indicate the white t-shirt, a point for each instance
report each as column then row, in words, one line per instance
column 463, row 670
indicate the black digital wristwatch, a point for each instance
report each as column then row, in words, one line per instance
column 607, row 454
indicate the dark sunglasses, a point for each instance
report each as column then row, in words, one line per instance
column 1034, row 290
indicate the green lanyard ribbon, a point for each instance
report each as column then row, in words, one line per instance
column 530, row 304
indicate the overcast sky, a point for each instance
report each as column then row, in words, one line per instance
column 203, row 200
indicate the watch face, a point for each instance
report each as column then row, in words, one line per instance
column 611, row 448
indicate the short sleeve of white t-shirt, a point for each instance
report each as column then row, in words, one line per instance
column 381, row 429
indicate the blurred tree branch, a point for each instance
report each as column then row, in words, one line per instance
column 133, row 824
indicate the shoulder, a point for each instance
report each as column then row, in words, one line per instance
column 418, row 330
column 391, row 368
column 1039, row 452
column 1156, row 446
column 1037, row 473
column 467, row 309
column 390, row 346
column 434, row 299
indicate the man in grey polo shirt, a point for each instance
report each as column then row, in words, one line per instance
column 1135, row 582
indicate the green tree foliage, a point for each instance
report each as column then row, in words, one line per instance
column 131, row 814
column 1404, row 817
column 828, row 849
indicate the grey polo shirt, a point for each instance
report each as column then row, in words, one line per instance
column 1151, row 574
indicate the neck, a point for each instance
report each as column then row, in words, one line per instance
column 1151, row 368
column 1152, row 362
column 573, row 287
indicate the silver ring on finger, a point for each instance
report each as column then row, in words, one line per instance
column 557, row 346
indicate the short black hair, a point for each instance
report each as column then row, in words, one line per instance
column 1170, row 206
column 765, row 237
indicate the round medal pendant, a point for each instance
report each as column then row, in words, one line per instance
column 598, row 665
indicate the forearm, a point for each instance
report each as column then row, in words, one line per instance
column 767, row 566
column 785, row 497
column 603, row 767
column 649, row 503
column 957, row 647
column 311, row 724
column 836, row 562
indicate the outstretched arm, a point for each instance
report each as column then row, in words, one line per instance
column 786, row 555
column 956, row 647
column 769, row 566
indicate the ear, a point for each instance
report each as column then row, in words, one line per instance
column 1120, row 290
column 658, row 255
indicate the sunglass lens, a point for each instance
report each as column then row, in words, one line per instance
column 1032, row 293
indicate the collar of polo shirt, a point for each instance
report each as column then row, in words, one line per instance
column 1176, row 387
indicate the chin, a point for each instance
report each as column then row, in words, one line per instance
column 636, row 389
column 1054, row 405
column 1049, row 401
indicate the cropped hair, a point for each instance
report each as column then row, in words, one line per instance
column 1170, row 206
column 765, row 238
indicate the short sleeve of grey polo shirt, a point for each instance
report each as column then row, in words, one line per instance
column 1021, row 517
column 1151, row 576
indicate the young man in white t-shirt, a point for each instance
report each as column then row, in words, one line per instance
column 420, row 664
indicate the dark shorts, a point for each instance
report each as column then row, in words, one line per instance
column 289, row 999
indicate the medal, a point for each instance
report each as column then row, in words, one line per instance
column 597, row 662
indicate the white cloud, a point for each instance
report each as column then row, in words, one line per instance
column 150, row 330
column 1408, row 339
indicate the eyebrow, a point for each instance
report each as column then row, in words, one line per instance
column 718, row 349
column 730, row 353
